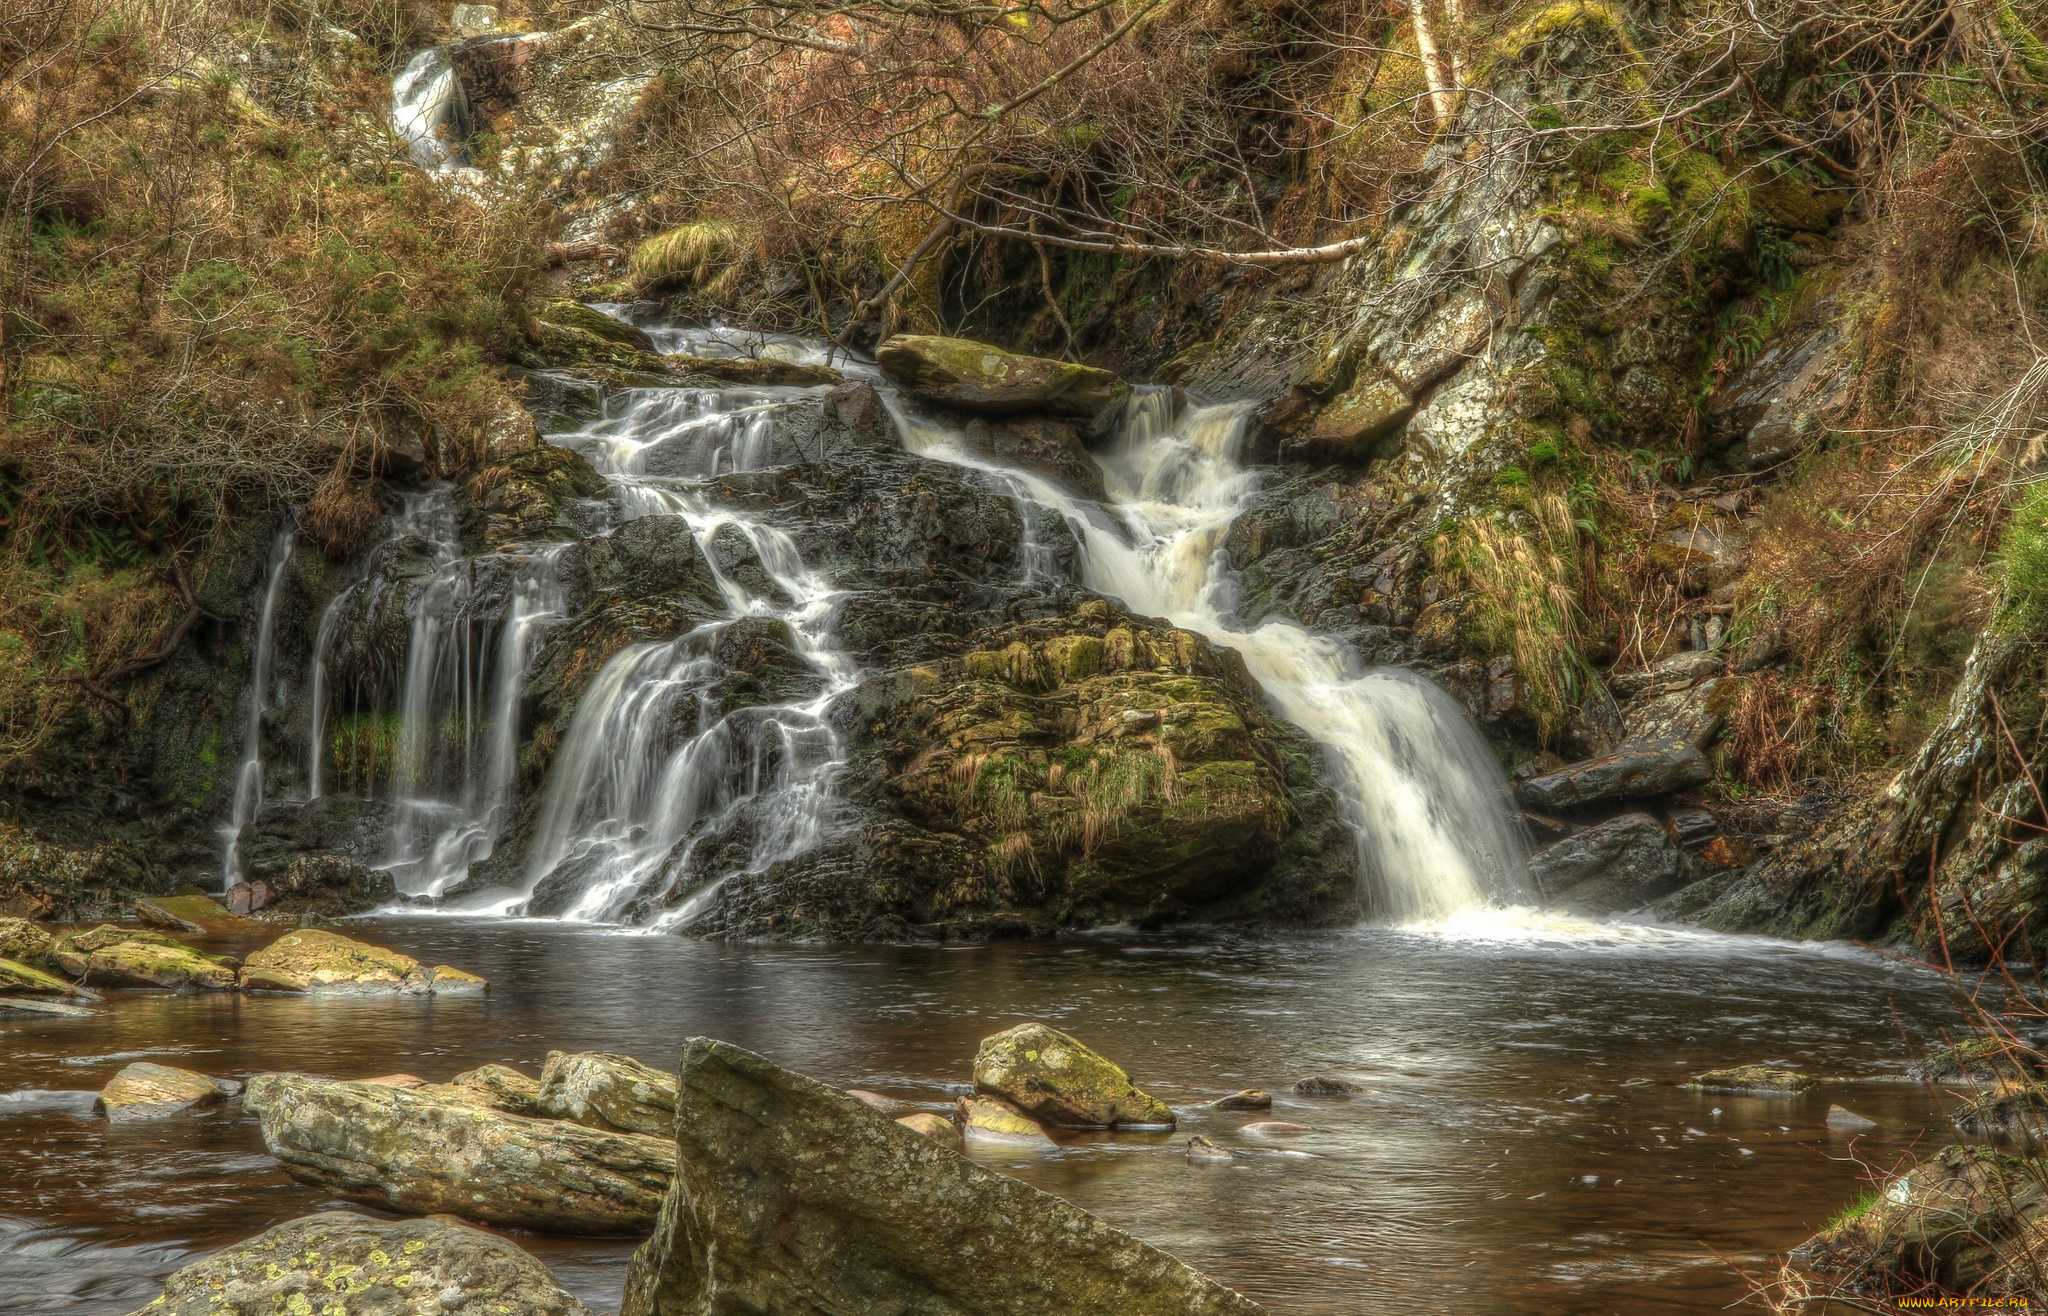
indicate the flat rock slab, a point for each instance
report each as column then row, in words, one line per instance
column 338, row 1261
column 957, row 372
column 20, row 979
column 190, row 914
column 145, row 1091
column 791, row 1196
column 422, row 1151
column 314, row 960
column 111, row 956
column 1630, row 775
column 1756, row 1081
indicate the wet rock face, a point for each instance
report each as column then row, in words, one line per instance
column 392, row 1268
column 793, row 1196
column 423, row 1152
column 1059, row 773
column 1621, row 864
column 145, row 1091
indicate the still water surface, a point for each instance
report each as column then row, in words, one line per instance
column 1522, row 1144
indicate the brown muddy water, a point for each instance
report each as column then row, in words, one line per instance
column 1522, row 1144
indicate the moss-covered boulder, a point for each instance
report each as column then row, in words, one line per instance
column 190, row 914
column 993, row 1120
column 110, row 956
column 1755, row 1081
column 145, row 1091
column 611, row 1092
column 1062, row 1081
column 23, row 941
column 1981, row 1062
column 314, row 960
column 424, row 1151
column 975, row 377
column 18, row 979
column 1091, row 767
column 793, row 1196
column 384, row 1267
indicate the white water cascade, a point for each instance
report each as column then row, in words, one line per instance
column 248, row 801
column 653, row 769
column 1418, row 785
column 428, row 109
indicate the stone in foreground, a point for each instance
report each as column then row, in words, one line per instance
column 109, row 956
column 957, row 372
column 1755, row 1081
column 423, row 1152
column 20, row 979
column 338, row 1261
column 1054, row 1078
column 616, row 1093
column 144, row 1091
column 791, row 1196
column 312, row 960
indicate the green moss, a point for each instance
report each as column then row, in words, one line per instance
column 2023, row 563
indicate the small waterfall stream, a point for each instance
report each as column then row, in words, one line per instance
column 248, row 801
column 653, row 768
column 1417, row 783
column 428, row 109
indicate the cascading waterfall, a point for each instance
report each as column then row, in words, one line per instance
column 1418, row 785
column 428, row 109
column 248, row 801
column 651, row 766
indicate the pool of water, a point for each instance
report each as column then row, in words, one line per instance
column 1522, row 1143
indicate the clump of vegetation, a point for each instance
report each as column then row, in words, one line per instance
column 216, row 309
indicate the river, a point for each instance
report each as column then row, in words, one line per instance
column 1522, row 1143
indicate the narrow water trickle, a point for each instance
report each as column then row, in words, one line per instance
column 661, row 791
column 248, row 801
column 428, row 109
column 1417, row 784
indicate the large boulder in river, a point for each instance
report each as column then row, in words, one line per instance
column 338, row 1261
column 422, row 1152
column 1088, row 768
column 110, row 956
column 312, row 960
column 1060, row 1080
column 145, row 1091
column 18, row 979
column 793, row 1196
column 611, row 1092
column 970, row 376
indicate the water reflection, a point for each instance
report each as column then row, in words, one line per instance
column 1520, row 1146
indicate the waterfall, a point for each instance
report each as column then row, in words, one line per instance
column 248, row 801
column 429, row 110
column 1417, row 784
column 652, row 767
column 458, row 719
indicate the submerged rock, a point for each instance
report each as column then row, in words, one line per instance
column 1967, row 1221
column 792, row 1196
column 1755, row 1081
column 1201, row 1151
column 22, row 941
column 1278, row 1129
column 383, row 1267
column 109, row 956
column 143, row 1091
column 611, row 1092
column 936, row 1127
column 993, row 1120
column 2014, row 1109
column 1843, row 1120
column 970, row 376
column 1058, row 1079
column 1249, row 1099
column 313, row 960
column 1322, row 1085
column 423, row 1152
